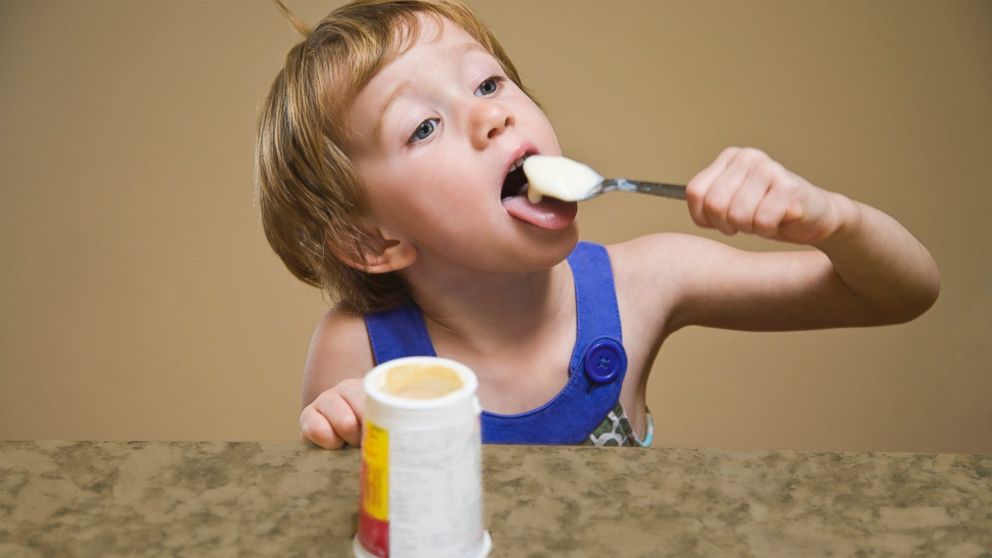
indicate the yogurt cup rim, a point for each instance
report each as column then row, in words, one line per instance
column 373, row 389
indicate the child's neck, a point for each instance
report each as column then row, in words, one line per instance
column 485, row 313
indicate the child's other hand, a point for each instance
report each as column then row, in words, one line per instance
column 334, row 418
column 745, row 190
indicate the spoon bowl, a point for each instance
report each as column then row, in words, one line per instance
column 568, row 180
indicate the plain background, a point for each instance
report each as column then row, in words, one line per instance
column 141, row 301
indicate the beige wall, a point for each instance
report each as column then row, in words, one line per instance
column 140, row 301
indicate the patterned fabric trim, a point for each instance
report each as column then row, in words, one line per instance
column 615, row 430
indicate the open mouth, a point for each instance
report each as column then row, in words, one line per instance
column 515, row 183
column 549, row 214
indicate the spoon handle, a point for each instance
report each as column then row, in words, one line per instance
column 674, row 191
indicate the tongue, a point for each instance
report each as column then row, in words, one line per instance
column 549, row 213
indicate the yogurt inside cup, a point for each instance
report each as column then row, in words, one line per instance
column 421, row 381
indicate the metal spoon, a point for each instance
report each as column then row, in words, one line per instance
column 673, row 191
column 568, row 180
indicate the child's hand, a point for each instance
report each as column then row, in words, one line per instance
column 745, row 190
column 335, row 416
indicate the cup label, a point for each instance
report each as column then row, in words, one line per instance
column 373, row 529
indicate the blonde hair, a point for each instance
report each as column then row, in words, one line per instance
column 310, row 196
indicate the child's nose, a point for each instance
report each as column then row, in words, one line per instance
column 488, row 120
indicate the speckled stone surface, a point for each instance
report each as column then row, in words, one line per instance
column 251, row 499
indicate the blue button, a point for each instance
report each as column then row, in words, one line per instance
column 604, row 360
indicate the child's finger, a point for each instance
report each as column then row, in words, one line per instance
column 721, row 192
column 317, row 429
column 747, row 199
column 770, row 213
column 341, row 416
column 353, row 392
column 696, row 189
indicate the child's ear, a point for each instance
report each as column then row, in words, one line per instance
column 386, row 252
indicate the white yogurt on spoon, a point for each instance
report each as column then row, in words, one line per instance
column 560, row 178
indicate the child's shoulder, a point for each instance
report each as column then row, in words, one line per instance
column 650, row 274
column 650, row 248
column 669, row 256
column 339, row 350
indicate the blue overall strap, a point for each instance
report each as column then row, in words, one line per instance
column 398, row 332
column 596, row 369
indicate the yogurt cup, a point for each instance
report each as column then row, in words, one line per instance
column 421, row 479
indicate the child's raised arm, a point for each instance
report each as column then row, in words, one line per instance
column 868, row 270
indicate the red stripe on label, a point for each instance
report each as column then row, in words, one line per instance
column 373, row 534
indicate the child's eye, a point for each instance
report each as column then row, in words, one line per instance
column 424, row 130
column 490, row 86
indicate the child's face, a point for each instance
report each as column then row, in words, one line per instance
column 434, row 134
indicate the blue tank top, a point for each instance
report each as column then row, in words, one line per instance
column 596, row 369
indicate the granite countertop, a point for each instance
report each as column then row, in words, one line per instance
column 246, row 498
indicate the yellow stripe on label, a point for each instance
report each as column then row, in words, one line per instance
column 375, row 454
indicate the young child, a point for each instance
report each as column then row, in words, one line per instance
column 388, row 173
